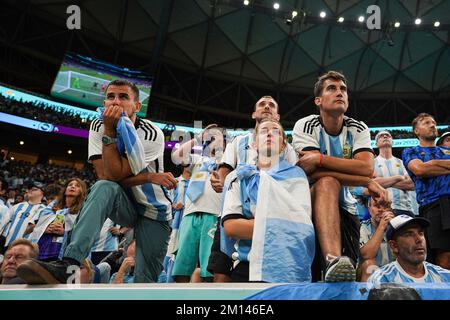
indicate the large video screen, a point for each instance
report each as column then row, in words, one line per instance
column 84, row 80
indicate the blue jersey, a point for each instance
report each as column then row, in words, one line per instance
column 394, row 273
column 430, row 189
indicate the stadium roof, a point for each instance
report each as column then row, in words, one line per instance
column 252, row 45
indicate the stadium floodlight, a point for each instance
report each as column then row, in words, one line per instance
column 12, row 158
column 294, row 14
column 361, row 19
column 341, row 19
column 21, row 143
column 418, row 21
column 276, row 6
column 69, row 151
column 246, row 2
column 437, row 24
column 323, row 14
column 397, row 24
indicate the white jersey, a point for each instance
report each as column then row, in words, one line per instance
column 106, row 241
column 240, row 151
column 157, row 206
column 309, row 134
column 19, row 217
column 401, row 199
column 394, row 273
column 366, row 232
column 209, row 201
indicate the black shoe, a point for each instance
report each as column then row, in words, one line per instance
column 340, row 269
column 38, row 272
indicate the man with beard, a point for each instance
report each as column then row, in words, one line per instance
column 407, row 241
column 429, row 167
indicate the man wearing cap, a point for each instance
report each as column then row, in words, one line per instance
column 444, row 140
column 21, row 218
column 391, row 174
column 429, row 167
column 407, row 241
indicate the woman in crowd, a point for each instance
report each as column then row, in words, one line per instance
column 57, row 220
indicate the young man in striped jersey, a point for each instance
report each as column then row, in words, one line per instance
column 20, row 220
column 335, row 152
column 407, row 241
column 130, row 200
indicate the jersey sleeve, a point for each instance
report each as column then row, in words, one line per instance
column 362, row 140
column 230, row 155
column 303, row 138
column 95, row 140
column 363, row 235
column 232, row 207
column 290, row 155
column 154, row 144
column 408, row 155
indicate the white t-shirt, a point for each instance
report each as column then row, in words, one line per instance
column 309, row 134
column 209, row 201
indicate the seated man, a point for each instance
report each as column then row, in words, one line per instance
column 19, row 251
column 407, row 241
column 374, row 249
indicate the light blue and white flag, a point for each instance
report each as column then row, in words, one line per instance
column 199, row 178
column 283, row 243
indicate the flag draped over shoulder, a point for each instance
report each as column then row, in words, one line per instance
column 283, row 243
column 127, row 140
column 200, row 178
column 153, row 198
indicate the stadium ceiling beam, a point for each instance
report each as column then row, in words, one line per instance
column 166, row 13
column 184, row 105
column 438, row 60
column 210, row 25
column 297, row 107
column 30, row 52
column 380, row 109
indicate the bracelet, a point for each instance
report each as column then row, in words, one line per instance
column 321, row 160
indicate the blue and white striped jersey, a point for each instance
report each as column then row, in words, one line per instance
column 153, row 200
column 106, row 241
column 394, row 273
column 19, row 217
column 384, row 254
column 401, row 199
column 309, row 134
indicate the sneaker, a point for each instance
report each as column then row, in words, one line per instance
column 340, row 269
column 33, row 271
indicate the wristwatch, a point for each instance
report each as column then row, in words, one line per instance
column 108, row 140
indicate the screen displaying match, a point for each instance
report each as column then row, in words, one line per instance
column 84, row 80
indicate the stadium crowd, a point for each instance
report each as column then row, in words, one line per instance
column 288, row 213
column 43, row 112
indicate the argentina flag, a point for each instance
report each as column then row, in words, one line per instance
column 283, row 243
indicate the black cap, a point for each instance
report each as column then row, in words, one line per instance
column 37, row 184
